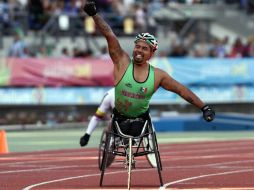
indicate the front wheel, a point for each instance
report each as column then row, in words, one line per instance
column 108, row 153
column 101, row 148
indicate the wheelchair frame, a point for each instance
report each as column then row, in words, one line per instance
column 118, row 144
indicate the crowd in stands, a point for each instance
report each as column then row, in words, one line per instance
column 190, row 46
column 39, row 11
column 46, row 117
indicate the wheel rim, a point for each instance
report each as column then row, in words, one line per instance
column 101, row 148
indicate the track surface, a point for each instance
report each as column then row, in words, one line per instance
column 224, row 165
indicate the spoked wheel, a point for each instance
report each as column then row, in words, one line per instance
column 110, row 156
column 101, row 148
column 104, row 158
column 148, row 146
column 107, row 154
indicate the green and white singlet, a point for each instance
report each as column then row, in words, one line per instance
column 132, row 97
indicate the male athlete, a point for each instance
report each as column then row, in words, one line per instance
column 107, row 104
column 136, row 80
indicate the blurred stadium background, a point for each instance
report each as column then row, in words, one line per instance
column 54, row 67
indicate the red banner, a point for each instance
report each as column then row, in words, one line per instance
column 60, row 72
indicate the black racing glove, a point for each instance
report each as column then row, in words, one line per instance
column 208, row 113
column 84, row 140
column 90, row 8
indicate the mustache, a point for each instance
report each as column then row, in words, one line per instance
column 139, row 54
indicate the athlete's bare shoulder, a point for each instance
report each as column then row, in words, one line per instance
column 122, row 62
column 160, row 75
column 122, row 59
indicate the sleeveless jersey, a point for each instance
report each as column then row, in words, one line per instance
column 132, row 97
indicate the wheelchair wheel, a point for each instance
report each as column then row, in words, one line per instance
column 101, row 148
column 157, row 156
column 107, row 155
column 148, row 146
column 101, row 152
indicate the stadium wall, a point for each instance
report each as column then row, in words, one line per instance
column 226, row 84
column 195, row 122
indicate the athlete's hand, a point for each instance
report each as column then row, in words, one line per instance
column 84, row 140
column 90, row 8
column 208, row 113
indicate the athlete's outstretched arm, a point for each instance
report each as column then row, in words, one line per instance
column 170, row 84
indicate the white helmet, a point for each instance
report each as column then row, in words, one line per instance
column 149, row 39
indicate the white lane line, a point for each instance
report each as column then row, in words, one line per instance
column 203, row 176
column 117, row 172
column 169, row 183
column 39, row 169
column 57, row 159
column 242, row 188
column 213, row 188
column 82, row 176
column 214, row 165
column 210, row 150
column 49, row 160
column 41, row 158
column 84, row 154
column 207, row 144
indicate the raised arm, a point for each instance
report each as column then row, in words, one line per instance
column 115, row 51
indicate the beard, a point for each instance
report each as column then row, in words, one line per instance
column 138, row 59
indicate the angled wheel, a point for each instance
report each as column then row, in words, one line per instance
column 148, row 146
column 104, row 158
column 102, row 150
column 157, row 156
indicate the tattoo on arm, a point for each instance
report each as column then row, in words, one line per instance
column 115, row 50
column 171, row 85
column 183, row 94
column 189, row 99
column 175, row 89
column 102, row 25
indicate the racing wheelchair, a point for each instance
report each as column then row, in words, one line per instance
column 116, row 142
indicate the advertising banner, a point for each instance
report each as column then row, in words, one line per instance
column 56, row 72
column 51, row 81
column 99, row 72
column 208, row 71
